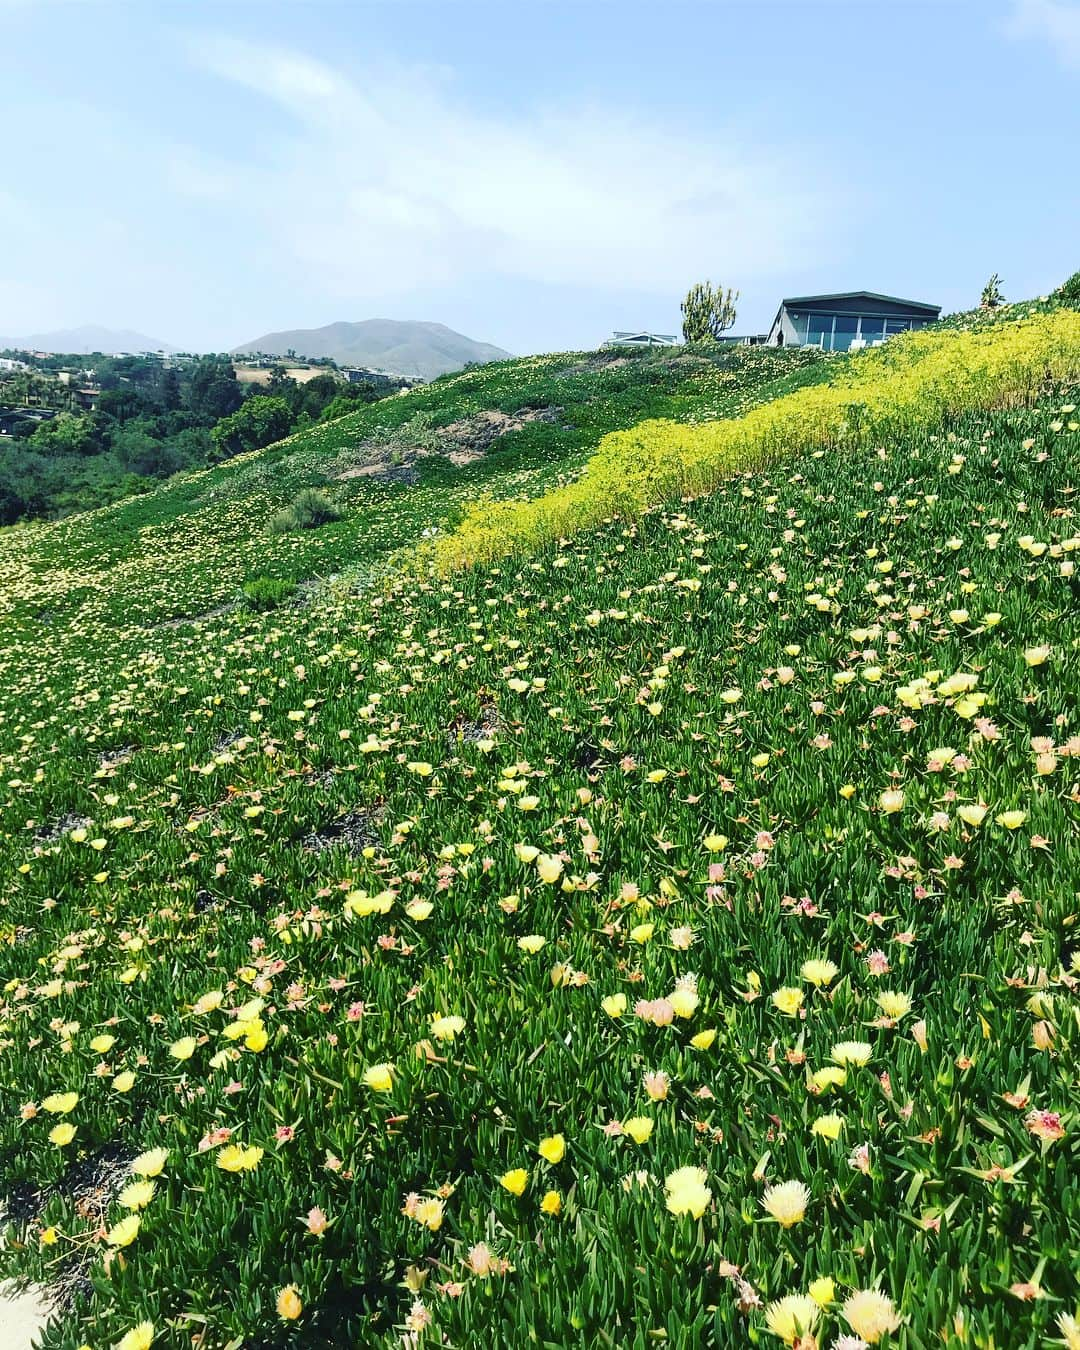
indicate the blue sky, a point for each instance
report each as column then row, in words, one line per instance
column 533, row 174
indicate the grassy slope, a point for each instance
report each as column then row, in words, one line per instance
column 592, row 678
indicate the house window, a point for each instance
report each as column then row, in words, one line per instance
column 872, row 330
column 847, row 325
column 819, row 331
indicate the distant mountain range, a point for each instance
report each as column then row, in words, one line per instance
column 419, row 350
column 89, row 338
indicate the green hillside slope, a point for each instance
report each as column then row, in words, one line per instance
column 663, row 934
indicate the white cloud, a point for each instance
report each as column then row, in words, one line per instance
column 1055, row 21
column 385, row 180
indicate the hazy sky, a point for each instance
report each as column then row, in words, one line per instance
column 534, row 174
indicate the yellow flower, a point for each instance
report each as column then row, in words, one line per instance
column 828, row 1127
column 239, row 1158
column 289, row 1304
column 851, row 1052
column 972, row 814
column 792, row 1317
column 549, row 867
column 891, row 801
column 870, row 1314
column 614, row 1005
column 1011, row 820
column 819, row 973
column 716, row 843
column 639, row 1128
column 786, row 1202
column 61, row 1135
column 847, row 791
column 515, row 1180
column 894, row 1004
column 552, row 1149
column 140, row 1337
column 551, row 1203
column 642, row 932
column 124, row 1233
column 429, row 1212
column 526, row 853
column 1035, row 656
column 361, row 904
column 822, row 1291
column 60, row 1103
column 684, row 1002
column 687, row 1192
column 256, row 1038
column 419, row 910
column 788, row 1000
column 420, row 767
column 446, row 1028
column 208, row 1002
column 183, row 1048
column 828, row 1077
column 150, row 1163
column 379, row 1077
column 102, row 1044
column 532, row 943
column 703, row 1039
column 760, row 760
column 136, row 1194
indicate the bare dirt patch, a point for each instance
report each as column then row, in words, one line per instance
column 461, row 442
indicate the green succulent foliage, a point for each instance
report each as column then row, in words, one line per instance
column 249, row 858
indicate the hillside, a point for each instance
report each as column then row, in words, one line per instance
column 418, row 350
column 625, row 896
column 87, row 339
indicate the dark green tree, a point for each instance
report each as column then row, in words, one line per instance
column 260, row 421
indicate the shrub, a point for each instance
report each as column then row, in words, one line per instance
column 263, row 593
column 1069, row 291
column 307, row 511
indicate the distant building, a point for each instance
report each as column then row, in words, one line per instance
column 744, row 339
column 9, row 363
column 11, row 418
column 365, row 375
column 846, row 321
column 639, row 338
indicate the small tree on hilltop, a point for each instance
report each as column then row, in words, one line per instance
column 991, row 294
column 707, row 311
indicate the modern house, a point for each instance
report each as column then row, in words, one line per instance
column 848, row 320
column 641, row 339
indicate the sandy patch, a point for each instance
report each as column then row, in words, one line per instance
column 22, row 1316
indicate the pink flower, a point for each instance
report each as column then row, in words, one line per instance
column 480, row 1260
column 316, row 1221
column 1045, row 1125
column 284, row 1133
column 877, row 963
column 356, row 1011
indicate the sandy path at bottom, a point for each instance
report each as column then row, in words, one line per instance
column 21, row 1318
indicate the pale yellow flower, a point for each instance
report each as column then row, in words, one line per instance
column 792, row 1317
column 870, row 1314
column 786, row 1202
column 687, row 1192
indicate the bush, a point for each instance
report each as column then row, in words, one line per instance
column 307, row 511
column 263, row 593
column 1070, row 291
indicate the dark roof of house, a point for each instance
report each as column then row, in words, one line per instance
column 861, row 295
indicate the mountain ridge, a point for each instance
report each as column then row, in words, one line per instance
column 415, row 348
column 86, row 339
